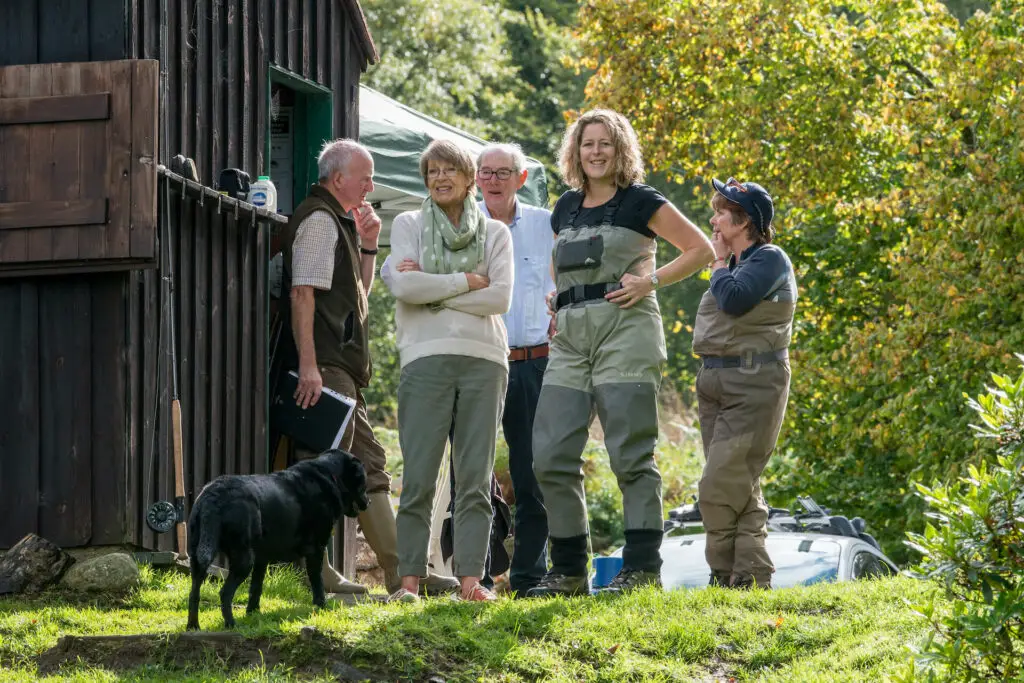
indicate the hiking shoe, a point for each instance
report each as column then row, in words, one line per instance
column 559, row 584
column 435, row 584
column 403, row 595
column 631, row 579
column 479, row 594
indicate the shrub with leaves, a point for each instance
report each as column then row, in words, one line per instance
column 974, row 545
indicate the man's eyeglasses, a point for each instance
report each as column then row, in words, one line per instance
column 732, row 182
column 502, row 173
column 449, row 172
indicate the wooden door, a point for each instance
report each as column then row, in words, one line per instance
column 78, row 148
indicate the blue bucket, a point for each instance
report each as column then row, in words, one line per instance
column 605, row 569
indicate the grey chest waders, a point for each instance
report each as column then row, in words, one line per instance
column 610, row 358
column 742, row 388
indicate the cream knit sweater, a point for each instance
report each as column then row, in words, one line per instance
column 470, row 323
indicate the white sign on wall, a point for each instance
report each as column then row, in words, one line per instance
column 282, row 158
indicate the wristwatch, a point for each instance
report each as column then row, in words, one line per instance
column 655, row 281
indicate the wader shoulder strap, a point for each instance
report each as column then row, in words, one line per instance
column 611, row 208
column 570, row 220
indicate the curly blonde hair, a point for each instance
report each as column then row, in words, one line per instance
column 629, row 163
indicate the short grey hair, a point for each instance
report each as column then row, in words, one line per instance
column 335, row 155
column 509, row 148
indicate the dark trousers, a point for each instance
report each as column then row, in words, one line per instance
column 529, row 558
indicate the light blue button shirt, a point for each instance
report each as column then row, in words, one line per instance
column 532, row 241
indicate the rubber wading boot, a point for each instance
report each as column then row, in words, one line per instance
column 559, row 584
column 380, row 531
column 719, row 579
column 630, row 579
column 751, row 582
column 334, row 582
column 378, row 524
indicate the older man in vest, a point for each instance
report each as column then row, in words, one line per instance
column 329, row 260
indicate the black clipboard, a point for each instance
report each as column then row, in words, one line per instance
column 318, row 428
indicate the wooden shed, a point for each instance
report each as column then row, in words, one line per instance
column 96, row 96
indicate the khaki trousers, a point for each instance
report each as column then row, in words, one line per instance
column 741, row 412
column 359, row 439
column 429, row 389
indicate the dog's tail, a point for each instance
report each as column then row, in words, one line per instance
column 203, row 535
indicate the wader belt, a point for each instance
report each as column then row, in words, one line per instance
column 520, row 353
column 580, row 293
column 745, row 361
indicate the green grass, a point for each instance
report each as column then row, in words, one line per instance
column 844, row 632
column 680, row 462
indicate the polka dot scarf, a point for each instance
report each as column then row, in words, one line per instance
column 447, row 249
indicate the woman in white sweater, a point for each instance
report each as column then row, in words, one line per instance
column 452, row 275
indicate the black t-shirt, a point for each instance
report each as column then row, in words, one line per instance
column 637, row 205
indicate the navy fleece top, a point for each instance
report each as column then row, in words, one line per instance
column 763, row 272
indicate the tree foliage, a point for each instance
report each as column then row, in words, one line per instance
column 449, row 60
column 492, row 68
column 893, row 141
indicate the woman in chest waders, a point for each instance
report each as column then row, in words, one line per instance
column 744, row 324
column 609, row 347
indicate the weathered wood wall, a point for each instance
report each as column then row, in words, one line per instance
column 220, row 306
column 219, row 52
column 84, row 368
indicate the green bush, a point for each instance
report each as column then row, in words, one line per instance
column 974, row 545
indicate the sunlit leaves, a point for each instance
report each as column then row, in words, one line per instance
column 893, row 141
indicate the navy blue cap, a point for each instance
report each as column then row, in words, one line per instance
column 754, row 199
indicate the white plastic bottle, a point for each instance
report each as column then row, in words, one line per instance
column 263, row 193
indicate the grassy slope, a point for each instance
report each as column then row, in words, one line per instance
column 849, row 632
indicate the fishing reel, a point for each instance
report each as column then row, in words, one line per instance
column 163, row 515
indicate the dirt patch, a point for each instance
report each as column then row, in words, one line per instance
column 182, row 651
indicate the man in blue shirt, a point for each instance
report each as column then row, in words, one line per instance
column 501, row 171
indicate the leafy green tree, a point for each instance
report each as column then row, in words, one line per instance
column 491, row 68
column 449, row 60
column 547, row 84
column 891, row 138
column 965, row 9
column 562, row 12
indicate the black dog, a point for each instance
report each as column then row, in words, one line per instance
column 257, row 519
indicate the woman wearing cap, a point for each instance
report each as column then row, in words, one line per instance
column 609, row 347
column 743, row 328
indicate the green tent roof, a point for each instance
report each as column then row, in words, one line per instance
column 396, row 135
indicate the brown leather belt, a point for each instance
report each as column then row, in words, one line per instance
column 528, row 352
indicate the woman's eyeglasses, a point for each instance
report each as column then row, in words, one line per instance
column 449, row 172
column 502, row 173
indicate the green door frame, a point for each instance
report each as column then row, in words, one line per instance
column 313, row 118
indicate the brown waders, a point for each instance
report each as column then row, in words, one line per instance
column 610, row 358
column 742, row 390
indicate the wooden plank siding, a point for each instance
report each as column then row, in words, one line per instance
column 220, row 288
column 217, row 57
column 62, row 446
column 85, row 358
